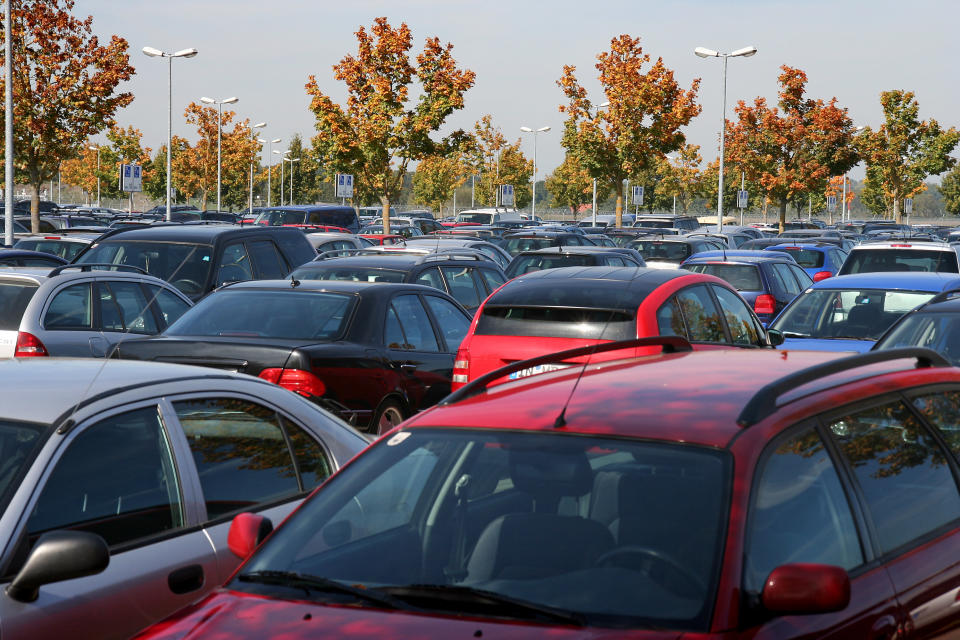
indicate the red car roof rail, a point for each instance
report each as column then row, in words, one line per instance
column 670, row 344
column 764, row 402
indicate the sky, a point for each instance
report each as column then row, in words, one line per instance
column 263, row 53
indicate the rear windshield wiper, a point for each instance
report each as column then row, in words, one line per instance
column 316, row 584
column 429, row 596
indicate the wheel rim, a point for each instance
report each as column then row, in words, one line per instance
column 390, row 418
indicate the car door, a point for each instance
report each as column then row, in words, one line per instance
column 125, row 311
column 268, row 264
column 114, row 475
column 414, row 352
column 462, row 287
column 701, row 316
column 743, row 327
column 69, row 321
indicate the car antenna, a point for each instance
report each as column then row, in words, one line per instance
column 294, row 283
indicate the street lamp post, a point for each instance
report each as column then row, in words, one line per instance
column 282, row 155
column 183, row 53
column 259, row 125
column 291, row 161
column 533, row 201
column 97, row 147
column 746, row 52
column 219, row 104
column 269, row 144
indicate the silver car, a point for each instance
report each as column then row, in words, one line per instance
column 119, row 479
column 75, row 311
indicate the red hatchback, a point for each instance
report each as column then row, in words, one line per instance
column 658, row 497
column 557, row 309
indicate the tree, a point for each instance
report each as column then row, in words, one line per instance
column 570, row 185
column 498, row 163
column 81, row 171
column 950, row 190
column 64, row 87
column 681, row 177
column 436, row 179
column 791, row 151
column 641, row 125
column 378, row 134
column 904, row 150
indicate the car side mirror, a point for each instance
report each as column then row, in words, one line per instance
column 247, row 531
column 775, row 336
column 57, row 556
column 803, row 588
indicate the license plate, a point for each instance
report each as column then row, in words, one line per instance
column 532, row 371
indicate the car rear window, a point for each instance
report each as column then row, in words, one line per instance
column 64, row 249
column 518, row 245
column 806, row 258
column 354, row 274
column 552, row 322
column 527, row 264
column 14, row 297
column 742, row 277
column 873, row 260
column 659, row 251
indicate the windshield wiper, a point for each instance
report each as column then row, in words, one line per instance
column 454, row 596
column 316, row 584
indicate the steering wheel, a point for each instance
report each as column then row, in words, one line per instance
column 187, row 285
column 647, row 554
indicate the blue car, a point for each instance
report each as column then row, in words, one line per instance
column 849, row 313
column 820, row 260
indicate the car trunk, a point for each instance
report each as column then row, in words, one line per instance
column 227, row 353
column 15, row 295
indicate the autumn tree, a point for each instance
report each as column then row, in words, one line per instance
column 498, row 162
column 436, row 178
column 64, row 87
column 570, row 185
column 81, row 171
column 382, row 129
column 791, row 150
column 642, row 123
column 950, row 191
column 681, row 176
column 904, row 150
column 835, row 189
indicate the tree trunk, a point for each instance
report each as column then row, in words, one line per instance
column 619, row 209
column 783, row 213
column 897, row 217
column 35, row 208
column 385, row 201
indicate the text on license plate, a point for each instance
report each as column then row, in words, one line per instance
column 540, row 368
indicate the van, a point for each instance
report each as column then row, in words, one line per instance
column 319, row 215
column 487, row 216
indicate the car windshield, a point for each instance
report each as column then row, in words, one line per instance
column 659, row 251
column 14, row 297
column 280, row 218
column 478, row 218
column 184, row 265
column 654, row 224
column 937, row 331
column 62, row 248
column 742, row 277
column 861, row 314
column 516, row 245
column 264, row 313
column 355, row 274
column 806, row 258
column 527, row 264
column 430, row 516
column 872, row 260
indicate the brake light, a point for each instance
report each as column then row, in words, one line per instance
column 821, row 275
column 765, row 304
column 296, row 380
column 902, row 246
column 29, row 346
column 461, row 369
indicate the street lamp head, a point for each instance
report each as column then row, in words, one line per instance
column 278, row 152
column 542, row 129
column 207, row 100
column 260, row 125
column 604, row 104
column 95, row 147
column 229, row 100
column 275, row 141
column 153, row 53
column 746, row 52
column 703, row 52
column 261, row 140
column 526, row 129
column 185, row 53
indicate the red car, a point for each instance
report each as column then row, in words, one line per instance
column 381, row 239
column 556, row 309
column 668, row 496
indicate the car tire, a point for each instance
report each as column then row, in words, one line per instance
column 389, row 414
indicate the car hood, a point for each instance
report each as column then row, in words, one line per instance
column 826, row 344
column 230, row 614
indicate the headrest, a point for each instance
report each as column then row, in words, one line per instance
column 551, row 473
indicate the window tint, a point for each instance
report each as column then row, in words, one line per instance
column 742, row 277
column 785, row 272
column 116, row 479
column 799, row 512
column 267, row 260
column 71, row 308
column 235, row 265
column 240, row 453
column 492, row 279
column 701, row 315
column 670, row 320
column 802, row 276
column 417, row 330
column 170, row 306
column 453, row 324
column 393, row 333
column 942, row 410
column 431, row 278
column 903, row 473
column 123, row 307
column 312, row 462
column 14, row 298
column 743, row 328
column 462, row 287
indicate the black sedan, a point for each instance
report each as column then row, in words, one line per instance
column 373, row 353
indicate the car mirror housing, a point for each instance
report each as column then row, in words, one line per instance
column 775, row 336
column 804, row 588
column 246, row 533
column 57, row 556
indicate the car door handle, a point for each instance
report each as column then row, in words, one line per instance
column 408, row 367
column 885, row 628
column 185, row 579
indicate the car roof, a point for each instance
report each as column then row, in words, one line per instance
column 333, row 286
column 607, row 398
column 571, row 250
column 914, row 280
column 813, row 246
column 738, row 257
column 206, row 233
column 906, row 243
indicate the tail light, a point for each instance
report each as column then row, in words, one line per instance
column 461, row 369
column 821, row 275
column 29, row 346
column 765, row 304
column 296, row 380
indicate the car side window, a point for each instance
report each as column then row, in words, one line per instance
column 235, row 265
column 450, row 320
column 240, row 452
column 802, row 277
column 492, row 279
column 462, row 287
column 312, row 462
column 431, row 278
column 701, row 315
column 902, row 472
column 670, row 320
column 793, row 287
column 417, row 330
column 115, row 479
column 123, row 307
column 266, row 259
column 942, row 410
column 71, row 308
column 798, row 512
column 171, row 307
column 743, row 328
column 392, row 332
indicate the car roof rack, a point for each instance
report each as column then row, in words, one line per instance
column 764, row 402
column 670, row 344
column 338, row 253
column 89, row 266
column 443, row 257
